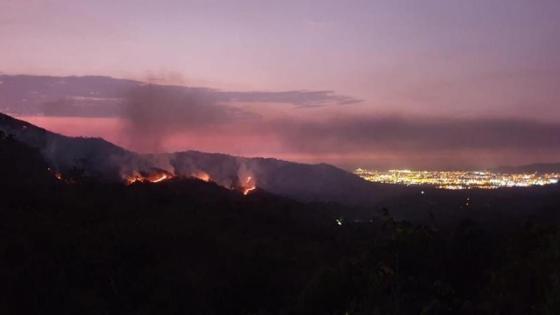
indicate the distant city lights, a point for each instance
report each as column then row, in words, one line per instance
column 458, row 179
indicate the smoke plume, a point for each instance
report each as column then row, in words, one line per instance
column 152, row 113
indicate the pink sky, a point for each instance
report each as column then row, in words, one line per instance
column 435, row 58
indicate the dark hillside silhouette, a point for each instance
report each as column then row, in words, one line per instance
column 105, row 161
column 189, row 247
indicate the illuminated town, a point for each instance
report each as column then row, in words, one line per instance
column 458, row 179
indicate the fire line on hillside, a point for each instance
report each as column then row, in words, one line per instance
column 155, row 176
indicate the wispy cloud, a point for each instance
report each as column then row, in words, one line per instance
column 105, row 97
column 418, row 134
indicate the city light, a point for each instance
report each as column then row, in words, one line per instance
column 458, row 179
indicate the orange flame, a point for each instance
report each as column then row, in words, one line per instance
column 202, row 175
column 249, row 186
column 246, row 191
column 157, row 177
column 161, row 178
column 56, row 174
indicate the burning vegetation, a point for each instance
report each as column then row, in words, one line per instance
column 245, row 186
column 202, row 175
column 248, row 186
column 57, row 175
column 156, row 176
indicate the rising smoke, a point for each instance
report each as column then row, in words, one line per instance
column 152, row 113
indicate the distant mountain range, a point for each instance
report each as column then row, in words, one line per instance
column 101, row 159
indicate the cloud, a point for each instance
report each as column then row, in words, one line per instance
column 97, row 96
column 198, row 118
column 417, row 134
column 155, row 114
column 298, row 98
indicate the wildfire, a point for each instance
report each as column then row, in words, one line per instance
column 246, row 191
column 156, row 177
column 202, row 175
column 162, row 177
column 56, row 174
column 248, row 186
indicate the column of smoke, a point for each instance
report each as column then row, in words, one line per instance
column 153, row 113
column 227, row 171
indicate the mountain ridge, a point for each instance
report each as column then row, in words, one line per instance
column 99, row 158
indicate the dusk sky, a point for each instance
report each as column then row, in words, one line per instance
column 389, row 83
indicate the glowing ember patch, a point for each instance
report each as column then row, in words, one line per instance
column 151, row 178
column 248, row 186
column 159, row 179
column 246, row 191
column 203, row 176
column 56, row 174
column 133, row 179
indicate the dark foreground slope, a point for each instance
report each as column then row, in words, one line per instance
column 189, row 247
